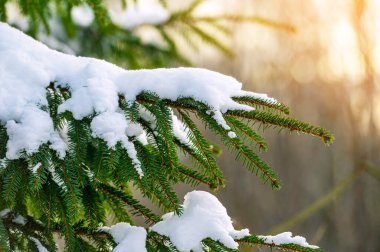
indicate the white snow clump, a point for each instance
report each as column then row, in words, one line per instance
column 128, row 238
column 139, row 13
column 82, row 15
column 27, row 67
column 285, row 238
column 203, row 217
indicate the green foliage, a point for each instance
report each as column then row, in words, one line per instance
column 72, row 197
column 257, row 241
column 93, row 181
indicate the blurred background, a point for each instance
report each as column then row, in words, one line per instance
column 319, row 57
column 327, row 71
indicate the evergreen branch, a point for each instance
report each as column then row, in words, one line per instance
column 217, row 246
column 72, row 187
column 264, row 117
column 250, row 19
column 101, row 239
column 257, row 241
column 93, row 209
column 65, row 226
column 252, row 161
column 191, row 175
column 210, row 40
column 130, row 201
column 204, row 148
column 180, row 15
column 171, row 196
column 257, row 101
column 4, row 239
column 172, row 47
column 247, row 131
column 165, row 137
column 3, row 141
column 160, row 243
column 284, row 122
column 155, row 175
column 116, row 207
column 12, row 180
column 31, row 228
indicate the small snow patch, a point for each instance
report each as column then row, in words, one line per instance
column 231, row 134
column 285, row 238
column 39, row 245
column 128, row 238
column 138, row 13
column 35, row 168
column 82, row 15
column 4, row 212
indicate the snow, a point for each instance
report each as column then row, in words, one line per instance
column 218, row 117
column 57, row 179
column 39, row 245
column 20, row 220
column 231, row 134
column 34, row 128
column 285, row 238
column 180, row 131
column 15, row 17
column 35, row 168
column 203, row 217
column 4, row 212
column 95, row 86
column 129, row 238
column 139, row 13
column 110, row 126
column 82, row 15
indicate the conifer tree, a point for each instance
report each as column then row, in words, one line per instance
column 78, row 136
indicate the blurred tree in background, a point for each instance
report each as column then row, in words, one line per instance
column 109, row 31
column 328, row 71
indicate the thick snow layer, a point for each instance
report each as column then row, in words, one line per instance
column 128, row 238
column 285, row 238
column 27, row 67
column 82, row 15
column 34, row 127
column 203, row 217
column 139, row 13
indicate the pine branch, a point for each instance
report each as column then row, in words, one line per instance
column 157, row 178
column 210, row 40
column 130, row 201
column 159, row 243
column 247, row 132
column 216, row 246
column 251, row 160
column 262, row 102
column 289, row 123
column 260, row 116
column 203, row 146
column 256, row 241
column 194, row 178
column 250, row 19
